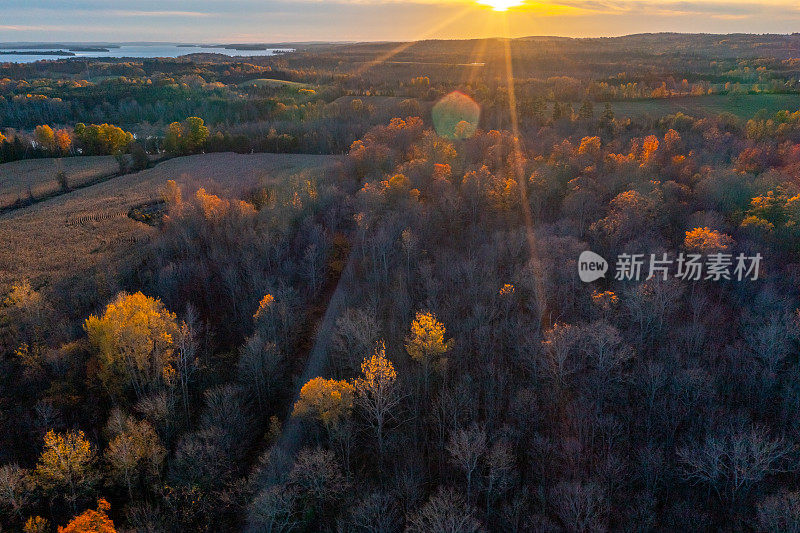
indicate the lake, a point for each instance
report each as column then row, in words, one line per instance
column 134, row 51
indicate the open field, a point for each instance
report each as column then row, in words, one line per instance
column 267, row 82
column 743, row 106
column 74, row 233
column 20, row 179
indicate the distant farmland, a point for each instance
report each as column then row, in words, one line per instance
column 268, row 82
column 72, row 235
column 38, row 177
column 743, row 106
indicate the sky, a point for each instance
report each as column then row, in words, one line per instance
column 243, row 21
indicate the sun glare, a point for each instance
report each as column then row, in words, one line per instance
column 501, row 5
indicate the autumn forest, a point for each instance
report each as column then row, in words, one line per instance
column 337, row 288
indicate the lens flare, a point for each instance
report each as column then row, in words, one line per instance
column 456, row 116
column 501, row 5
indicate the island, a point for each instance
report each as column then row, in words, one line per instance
column 61, row 53
column 89, row 49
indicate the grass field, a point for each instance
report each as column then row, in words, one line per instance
column 81, row 233
column 266, row 82
column 744, row 106
column 20, row 179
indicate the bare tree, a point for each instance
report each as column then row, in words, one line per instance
column 356, row 335
column 580, row 506
column 186, row 357
column 500, row 467
column 560, row 348
column 604, row 348
column 273, row 511
column 769, row 338
column 650, row 303
column 780, row 512
column 376, row 513
column 731, row 463
column 466, row 447
column 15, row 489
column 318, row 478
column 444, row 512
column 258, row 367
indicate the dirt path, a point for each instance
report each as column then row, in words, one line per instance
column 293, row 432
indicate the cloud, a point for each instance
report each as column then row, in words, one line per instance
column 350, row 20
column 733, row 9
column 16, row 27
column 130, row 13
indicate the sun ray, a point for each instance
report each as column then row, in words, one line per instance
column 501, row 5
column 405, row 46
column 519, row 173
column 477, row 57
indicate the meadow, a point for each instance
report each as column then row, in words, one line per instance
column 744, row 106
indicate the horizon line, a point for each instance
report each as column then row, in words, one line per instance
column 382, row 41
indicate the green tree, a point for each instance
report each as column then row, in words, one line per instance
column 586, row 111
column 608, row 113
column 196, row 134
column 187, row 137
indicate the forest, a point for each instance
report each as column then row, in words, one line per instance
column 402, row 342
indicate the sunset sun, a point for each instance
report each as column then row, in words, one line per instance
column 501, row 5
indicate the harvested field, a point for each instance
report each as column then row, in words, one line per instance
column 38, row 177
column 74, row 233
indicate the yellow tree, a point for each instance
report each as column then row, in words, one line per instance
column 66, row 464
column 171, row 193
column 328, row 400
column 103, row 138
column 174, row 138
column 24, row 314
column 649, row 148
column 2, row 138
column 91, row 521
column 62, row 140
column 706, row 240
column 377, row 392
column 36, row 524
column 45, row 137
column 426, row 343
column 134, row 340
